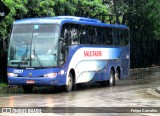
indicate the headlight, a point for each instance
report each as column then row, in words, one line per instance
column 50, row 75
column 12, row 74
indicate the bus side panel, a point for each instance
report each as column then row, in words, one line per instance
column 125, row 62
column 125, row 67
column 93, row 63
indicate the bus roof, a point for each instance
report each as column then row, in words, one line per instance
column 67, row 19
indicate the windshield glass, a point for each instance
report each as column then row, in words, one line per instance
column 33, row 45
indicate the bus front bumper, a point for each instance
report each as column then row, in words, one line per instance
column 36, row 81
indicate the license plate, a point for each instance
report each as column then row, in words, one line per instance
column 30, row 82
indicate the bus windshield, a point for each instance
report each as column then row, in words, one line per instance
column 33, row 45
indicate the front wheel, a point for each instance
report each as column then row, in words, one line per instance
column 27, row 88
column 70, row 84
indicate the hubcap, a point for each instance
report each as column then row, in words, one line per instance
column 111, row 79
column 117, row 76
column 69, row 83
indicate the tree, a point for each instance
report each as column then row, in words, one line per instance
column 14, row 6
column 39, row 8
column 140, row 15
column 83, row 8
column 154, row 16
column 142, row 33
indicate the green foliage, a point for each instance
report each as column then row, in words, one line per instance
column 83, row 8
column 154, row 15
column 144, row 50
column 25, row 9
column 93, row 8
column 46, row 8
column 3, row 85
column 142, row 17
column 39, row 8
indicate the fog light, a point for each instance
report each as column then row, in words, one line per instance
column 50, row 75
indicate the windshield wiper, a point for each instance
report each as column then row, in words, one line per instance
column 23, row 56
column 35, row 54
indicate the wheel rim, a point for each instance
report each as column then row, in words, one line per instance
column 69, row 86
column 117, row 75
column 111, row 79
column 69, row 83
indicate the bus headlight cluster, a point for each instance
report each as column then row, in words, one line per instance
column 12, row 74
column 50, row 75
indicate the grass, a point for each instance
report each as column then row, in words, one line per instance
column 3, row 84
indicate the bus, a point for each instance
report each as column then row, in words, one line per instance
column 67, row 51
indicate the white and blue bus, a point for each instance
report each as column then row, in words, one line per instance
column 67, row 51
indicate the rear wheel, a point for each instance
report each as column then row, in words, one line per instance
column 117, row 75
column 27, row 88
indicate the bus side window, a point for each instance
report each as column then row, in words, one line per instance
column 83, row 35
column 100, row 36
column 95, row 36
column 74, row 34
column 108, row 35
column 68, row 37
column 116, row 37
column 126, row 37
column 91, row 35
column 123, row 37
column 63, row 44
column 88, row 38
column 66, row 34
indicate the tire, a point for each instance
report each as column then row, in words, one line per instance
column 70, row 83
column 27, row 88
column 111, row 81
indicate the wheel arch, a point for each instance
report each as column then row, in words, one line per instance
column 113, row 69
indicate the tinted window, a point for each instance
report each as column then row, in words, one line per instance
column 88, row 34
